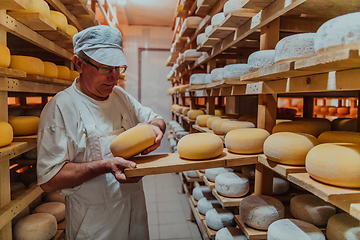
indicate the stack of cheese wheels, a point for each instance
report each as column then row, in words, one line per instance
column 24, row 125
column 37, row 226
column 231, row 184
column 217, row 19
column 339, row 137
column 193, row 113
column 63, row 72
column 310, row 208
column 218, row 218
column 5, row 56
column 7, row 134
column 201, row 38
column 216, row 125
column 259, row 211
column 73, row 75
column 30, row 65
column 246, row 140
column 232, row 125
column 207, row 203
column 343, row 226
column 260, row 59
column 57, row 209
column 201, row 120
column 295, row 47
column 336, row 164
column 133, row 141
column 71, row 30
column 332, row 35
column 289, row 148
column 192, row 174
column 280, row 186
column 212, row 173
column 55, row 197
column 50, row 70
column 230, row 233
column 216, row 74
column 37, row 6
column 294, row 229
column 235, row 70
column 185, row 111
column 199, row 146
column 200, row 192
column 311, row 126
column 59, row 19
column 344, row 124
column 235, row 7
column 211, row 120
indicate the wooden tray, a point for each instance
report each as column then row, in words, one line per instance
column 250, row 233
column 281, row 169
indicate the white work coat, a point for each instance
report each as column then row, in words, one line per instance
column 73, row 129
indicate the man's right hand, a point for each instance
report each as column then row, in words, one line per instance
column 117, row 165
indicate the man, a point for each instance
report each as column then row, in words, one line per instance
column 75, row 131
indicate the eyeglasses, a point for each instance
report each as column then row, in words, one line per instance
column 107, row 70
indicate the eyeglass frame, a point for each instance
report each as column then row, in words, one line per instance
column 121, row 69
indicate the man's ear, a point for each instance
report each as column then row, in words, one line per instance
column 77, row 63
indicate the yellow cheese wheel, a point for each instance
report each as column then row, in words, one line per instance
column 343, row 226
column 218, row 112
column 231, row 125
column 59, row 19
column 37, row 226
column 192, row 114
column 246, row 140
column 344, row 124
column 173, row 107
column 216, row 125
column 24, row 125
column 50, row 70
column 210, row 121
column 201, row 120
column 4, row 56
column 336, row 164
column 339, row 137
column 179, row 109
column 133, row 141
column 73, row 74
column 200, row 146
column 71, row 30
column 289, row 148
column 63, row 72
column 6, row 134
column 31, row 65
column 185, row 111
column 37, row 6
column 311, row 126
column 57, row 209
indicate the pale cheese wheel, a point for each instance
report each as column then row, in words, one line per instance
column 289, row 148
column 73, row 75
column 37, row 6
column 71, row 30
column 182, row 88
column 197, row 78
column 280, row 186
column 216, row 125
column 207, row 203
column 5, row 56
column 24, row 125
column 293, row 229
column 192, row 21
column 50, row 70
column 313, row 127
column 344, row 124
column 201, row 120
column 199, row 146
column 248, row 171
column 133, row 141
column 211, row 120
column 57, row 209
column 332, row 35
column 201, row 38
column 312, row 209
column 7, row 134
column 261, row 59
column 37, row 226
column 295, row 47
column 231, row 125
column 208, row 29
column 192, row 53
column 218, row 218
column 217, row 19
column 192, row 174
column 59, row 19
column 212, row 173
column 193, row 113
column 339, row 137
column 55, row 197
column 230, row 233
column 259, row 211
column 179, row 109
column 208, row 78
column 246, row 140
column 235, row 70
column 353, row 111
column 201, row 192
column 216, row 74
column 185, row 111
column 232, row 184
column 336, row 164
column 63, row 72
column 30, row 65
column 343, row 226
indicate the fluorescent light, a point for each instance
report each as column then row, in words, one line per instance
column 121, row 2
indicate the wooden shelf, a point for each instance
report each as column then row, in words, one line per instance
column 234, row 20
column 211, row 233
column 251, row 233
column 35, row 21
column 12, row 73
column 281, row 169
column 192, row 179
column 202, row 129
column 29, row 138
column 15, row 85
column 15, row 149
column 208, row 183
column 229, row 201
column 42, row 79
column 13, row 5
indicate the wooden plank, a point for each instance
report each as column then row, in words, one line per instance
column 42, row 79
column 211, row 233
column 231, row 201
column 13, row 5
column 78, row 9
column 235, row 20
column 221, row 32
column 256, row 4
column 30, row 138
column 56, row 35
column 202, row 129
column 242, row 160
column 60, row 235
column 188, row 31
column 35, row 21
column 281, row 169
column 251, row 233
column 5, row 198
column 15, row 149
column 355, row 210
column 9, row 72
column 192, row 179
column 210, row 42
column 15, row 85
column 203, row 10
column 208, row 183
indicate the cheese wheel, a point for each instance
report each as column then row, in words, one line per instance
column 37, row 6
column 7, row 134
column 218, row 218
column 339, row 137
column 207, row 203
column 332, row 110
column 179, row 109
column 59, row 19
column 211, row 120
column 201, row 192
column 193, row 113
column 216, row 125
column 280, row 186
column 212, row 173
column 208, row 29
column 344, row 124
column 293, row 229
column 30, row 65
column 343, row 110
column 231, row 125
column 5, row 56
column 259, row 211
column 192, row 21
column 185, row 111
column 71, row 30
column 73, row 75
column 201, row 38
column 208, row 78
column 182, row 88
column 343, row 226
column 192, row 53
column 192, row 174
column 232, row 184
column 199, row 146
column 289, row 148
column 230, row 233
column 336, row 164
column 312, row 209
column 201, row 120
column 57, row 209
column 235, row 70
column 248, row 171
column 353, row 111
column 63, row 72
column 197, row 78
column 332, row 35
column 50, row 70
column 24, row 125
column 218, row 112
column 216, row 74
column 246, row 140
column 295, row 47
column 55, row 197
column 217, row 19
column 38, row 226
column 314, row 127
column 261, row 59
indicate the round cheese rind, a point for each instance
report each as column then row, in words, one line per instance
column 192, row 21
column 71, row 30
column 314, row 127
column 201, row 120
column 201, row 192
column 63, row 72
column 295, row 47
column 218, row 218
column 339, row 137
column 24, row 125
column 37, row 6
column 59, row 19
column 201, row 38
column 208, row 30
column 259, row 59
column 207, row 203
column 217, row 19
column 231, row 125
column 192, row 53
column 235, row 70
column 280, row 186
column 38, row 226
column 332, row 35
column 216, row 74
column 230, row 233
column 232, row 184
column 289, row 148
column 133, row 141
column 192, row 174
column 343, row 226
column 5, row 56
column 208, row 78
column 57, row 209
column 55, row 197
column 30, row 65
column 344, row 124
column 193, row 113
column 199, row 146
column 211, row 120
column 310, row 208
column 50, row 70
column 293, row 229
column 212, row 173
column 336, row 164
column 216, row 125
column 246, row 140
column 197, row 78
column 259, row 211
column 7, row 134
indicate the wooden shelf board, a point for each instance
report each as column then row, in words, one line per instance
column 211, row 233
column 61, row 225
column 42, row 79
column 9, row 72
column 235, row 20
column 188, row 120
column 203, row 48
column 16, row 85
column 221, row 32
column 251, row 233
column 230, row 201
column 60, row 235
column 35, row 21
column 192, row 199
column 188, row 31
column 203, row 10
column 281, row 169
column 30, row 138
column 355, row 210
column 208, row 183
column 13, row 4
column 70, row 2
column 209, row 42
column 202, row 129
column 242, row 160
column 78, row 9
column 15, row 149
column 257, row 4
column 192, row 179
column 56, row 35
column 201, row 175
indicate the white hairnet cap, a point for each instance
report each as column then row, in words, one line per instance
column 102, row 44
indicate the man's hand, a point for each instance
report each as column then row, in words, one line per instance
column 117, row 165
